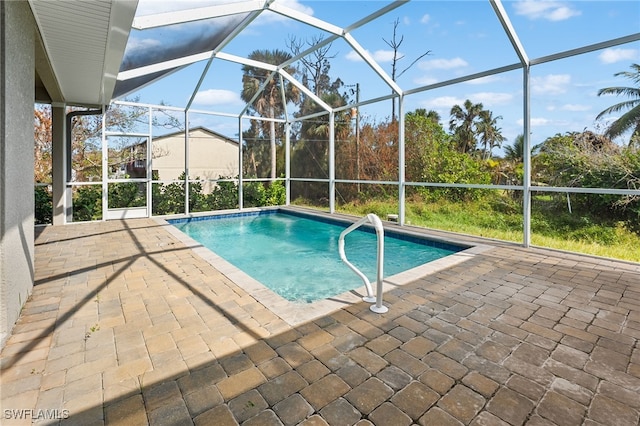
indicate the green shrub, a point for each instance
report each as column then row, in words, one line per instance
column 224, row 196
column 276, row 194
column 253, row 194
column 43, row 205
column 87, row 203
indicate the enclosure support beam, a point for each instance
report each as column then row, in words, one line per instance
column 105, row 168
column 401, row 152
column 526, row 152
column 59, row 164
column 332, row 162
column 287, row 162
column 240, row 144
column 186, row 161
column 149, row 166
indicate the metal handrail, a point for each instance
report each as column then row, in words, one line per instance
column 377, row 224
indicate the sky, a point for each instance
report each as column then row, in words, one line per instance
column 460, row 38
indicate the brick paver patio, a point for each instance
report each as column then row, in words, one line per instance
column 127, row 325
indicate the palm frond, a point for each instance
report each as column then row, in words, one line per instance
column 619, row 107
column 626, row 122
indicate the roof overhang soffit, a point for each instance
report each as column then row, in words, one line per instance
column 79, row 54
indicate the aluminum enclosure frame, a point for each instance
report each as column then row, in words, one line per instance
column 256, row 8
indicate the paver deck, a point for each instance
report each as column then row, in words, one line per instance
column 128, row 325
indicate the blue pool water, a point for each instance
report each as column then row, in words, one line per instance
column 297, row 257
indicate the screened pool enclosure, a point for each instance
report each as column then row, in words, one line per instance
column 230, row 105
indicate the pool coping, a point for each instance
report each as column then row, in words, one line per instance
column 295, row 313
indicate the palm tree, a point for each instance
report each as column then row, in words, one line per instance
column 489, row 132
column 463, row 122
column 515, row 152
column 630, row 120
column 270, row 101
column 421, row 112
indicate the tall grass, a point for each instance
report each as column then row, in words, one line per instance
column 501, row 218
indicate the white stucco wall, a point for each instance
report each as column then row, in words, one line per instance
column 17, row 96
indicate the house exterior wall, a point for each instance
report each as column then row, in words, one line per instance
column 209, row 157
column 17, row 94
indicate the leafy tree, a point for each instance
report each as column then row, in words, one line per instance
column 432, row 157
column 270, row 100
column 630, row 120
column 379, row 151
column 588, row 160
column 422, row 134
column 42, row 143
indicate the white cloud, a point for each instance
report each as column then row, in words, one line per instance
column 217, row 97
column 353, row 57
column 536, row 122
column 292, row 4
column 442, row 64
column 296, row 5
column 442, row 102
column 144, row 44
column 491, row 98
column 384, row 55
column 575, row 107
column 425, row 19
column 269, row 17
column 425, row 80
column 551, row 84
column 484, row 80
column 549, row 10
column 612, row 55
column 378, row 56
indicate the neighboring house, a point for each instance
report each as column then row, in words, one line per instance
column 211, row 155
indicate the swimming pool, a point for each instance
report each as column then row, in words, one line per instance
column 296, row 255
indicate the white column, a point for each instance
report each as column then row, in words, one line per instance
column 59, row 163
column 105, row 169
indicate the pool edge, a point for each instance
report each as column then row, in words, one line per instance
column 297, row 313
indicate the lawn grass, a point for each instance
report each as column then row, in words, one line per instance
column 502, row 220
